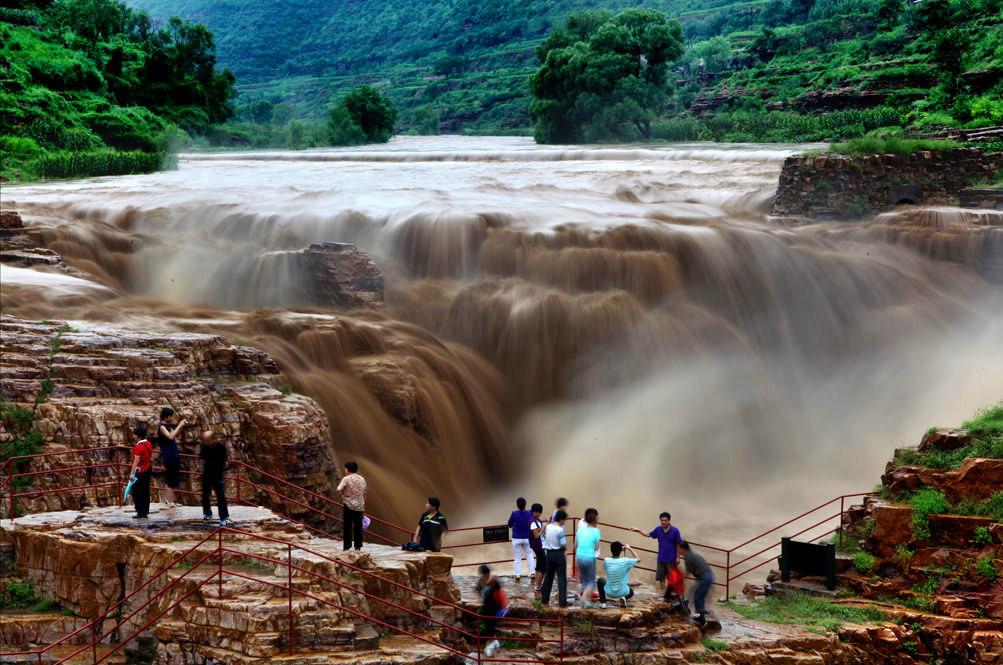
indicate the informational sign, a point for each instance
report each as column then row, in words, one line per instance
column 495, row 534
column 808, row 560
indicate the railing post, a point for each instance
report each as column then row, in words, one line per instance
column 574, row 559
column 219, row 572
column 841, row 499
column 10, row 482
column 289, row 580
column 727, row 576
column 94, row 644
column 238, row 483
column 478, row 638
column 118, row 480
column 562, row 641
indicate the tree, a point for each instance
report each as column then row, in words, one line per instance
column 362, row 116
column 602, row 76
column 711, row 55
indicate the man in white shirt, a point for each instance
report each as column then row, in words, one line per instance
column 554, row 545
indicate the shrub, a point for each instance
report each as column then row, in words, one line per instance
column 864, row 562
column 869, row 145
column 985, row 567
column 924, row 503
column 19, row 594
column 982, row 536
column 715, row 645
column 987, row 422
column 96, row 163
column 991, row 507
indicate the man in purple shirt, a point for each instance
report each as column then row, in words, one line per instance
column 668, row 540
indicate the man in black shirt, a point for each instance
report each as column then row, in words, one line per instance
column 214, row 459
column 431, row 527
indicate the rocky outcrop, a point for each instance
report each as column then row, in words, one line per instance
column 991, row 199
column 90, row 386
column 88, row 561
column 976, row 479
column 343, row 277
column 840, row 187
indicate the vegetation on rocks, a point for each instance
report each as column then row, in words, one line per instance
column 807, row 610
column 92, row 87
column 986, row 430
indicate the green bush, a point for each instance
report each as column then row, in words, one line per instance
column 18, row 595
column 987, row 422
column 985, row 567
column 96, row 163
column 864, row 562
column 869, row 145
column 991, row 507
column 982, row 536
column 926, row 502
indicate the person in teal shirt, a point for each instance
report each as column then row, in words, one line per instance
column 615, row 585
column 586, row 551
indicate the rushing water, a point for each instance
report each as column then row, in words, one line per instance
column 619, row 325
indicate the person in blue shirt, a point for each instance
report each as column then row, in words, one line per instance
column 668, row 538
column 615, row 584
column 520, row 522
column 586, row 552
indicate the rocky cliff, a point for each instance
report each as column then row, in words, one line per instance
column 836, row 186
column 87, row 386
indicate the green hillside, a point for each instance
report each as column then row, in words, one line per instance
column 90, row 87
column 463, row 65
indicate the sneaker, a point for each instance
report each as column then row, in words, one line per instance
column 623, row 602
column 224, row 522
column 206, row 518
column 490, row 649
column 140, row 517
column 586, row 604
column 602, row 606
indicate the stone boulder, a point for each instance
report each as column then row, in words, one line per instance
column 342, row 276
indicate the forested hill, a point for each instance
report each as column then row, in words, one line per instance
column 304, row 51
column 463, row 65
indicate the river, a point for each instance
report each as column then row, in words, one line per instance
column 621, row 325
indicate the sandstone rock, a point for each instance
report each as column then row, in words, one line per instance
column 342, row 276
column 892, row 527
column 949, row 439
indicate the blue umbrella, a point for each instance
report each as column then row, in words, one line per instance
column 128, row 487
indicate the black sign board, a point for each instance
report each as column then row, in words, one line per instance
column 495, row 534
column 808, row 559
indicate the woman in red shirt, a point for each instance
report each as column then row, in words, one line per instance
column 142, row 470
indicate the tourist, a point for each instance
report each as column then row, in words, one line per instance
column 536, row 544
column 615, row 585
column 141, row 471
column 586, row 553
column 214, row 458
column 494, row 604
column 698, row 567
column 432, row 526
column 519, row 521
column 562, row 504
column 352, row 491
column 668, row 539
column 167, row 439
column 554, row 546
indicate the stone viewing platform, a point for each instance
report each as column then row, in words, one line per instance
column 380, row 605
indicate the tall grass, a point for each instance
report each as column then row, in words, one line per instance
column 873, row 145
column 91, row 163
column 809, row 610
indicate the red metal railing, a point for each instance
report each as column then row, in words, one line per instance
column 247, row 477
column 221, row 550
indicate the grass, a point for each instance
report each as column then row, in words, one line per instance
column 715, row 645
column 926, row 502
column 984, row 567
column 872, row 145
column 807, row 610
column 864, row 562
column 986, row 429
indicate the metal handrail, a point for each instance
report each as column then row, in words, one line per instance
column 220, row 550
column 240, row 480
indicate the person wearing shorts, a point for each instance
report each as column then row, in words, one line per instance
column 586, row 553
column 536, row 544
column 668, row 538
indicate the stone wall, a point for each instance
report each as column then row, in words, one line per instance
column 824, row 187
column 991, row 199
